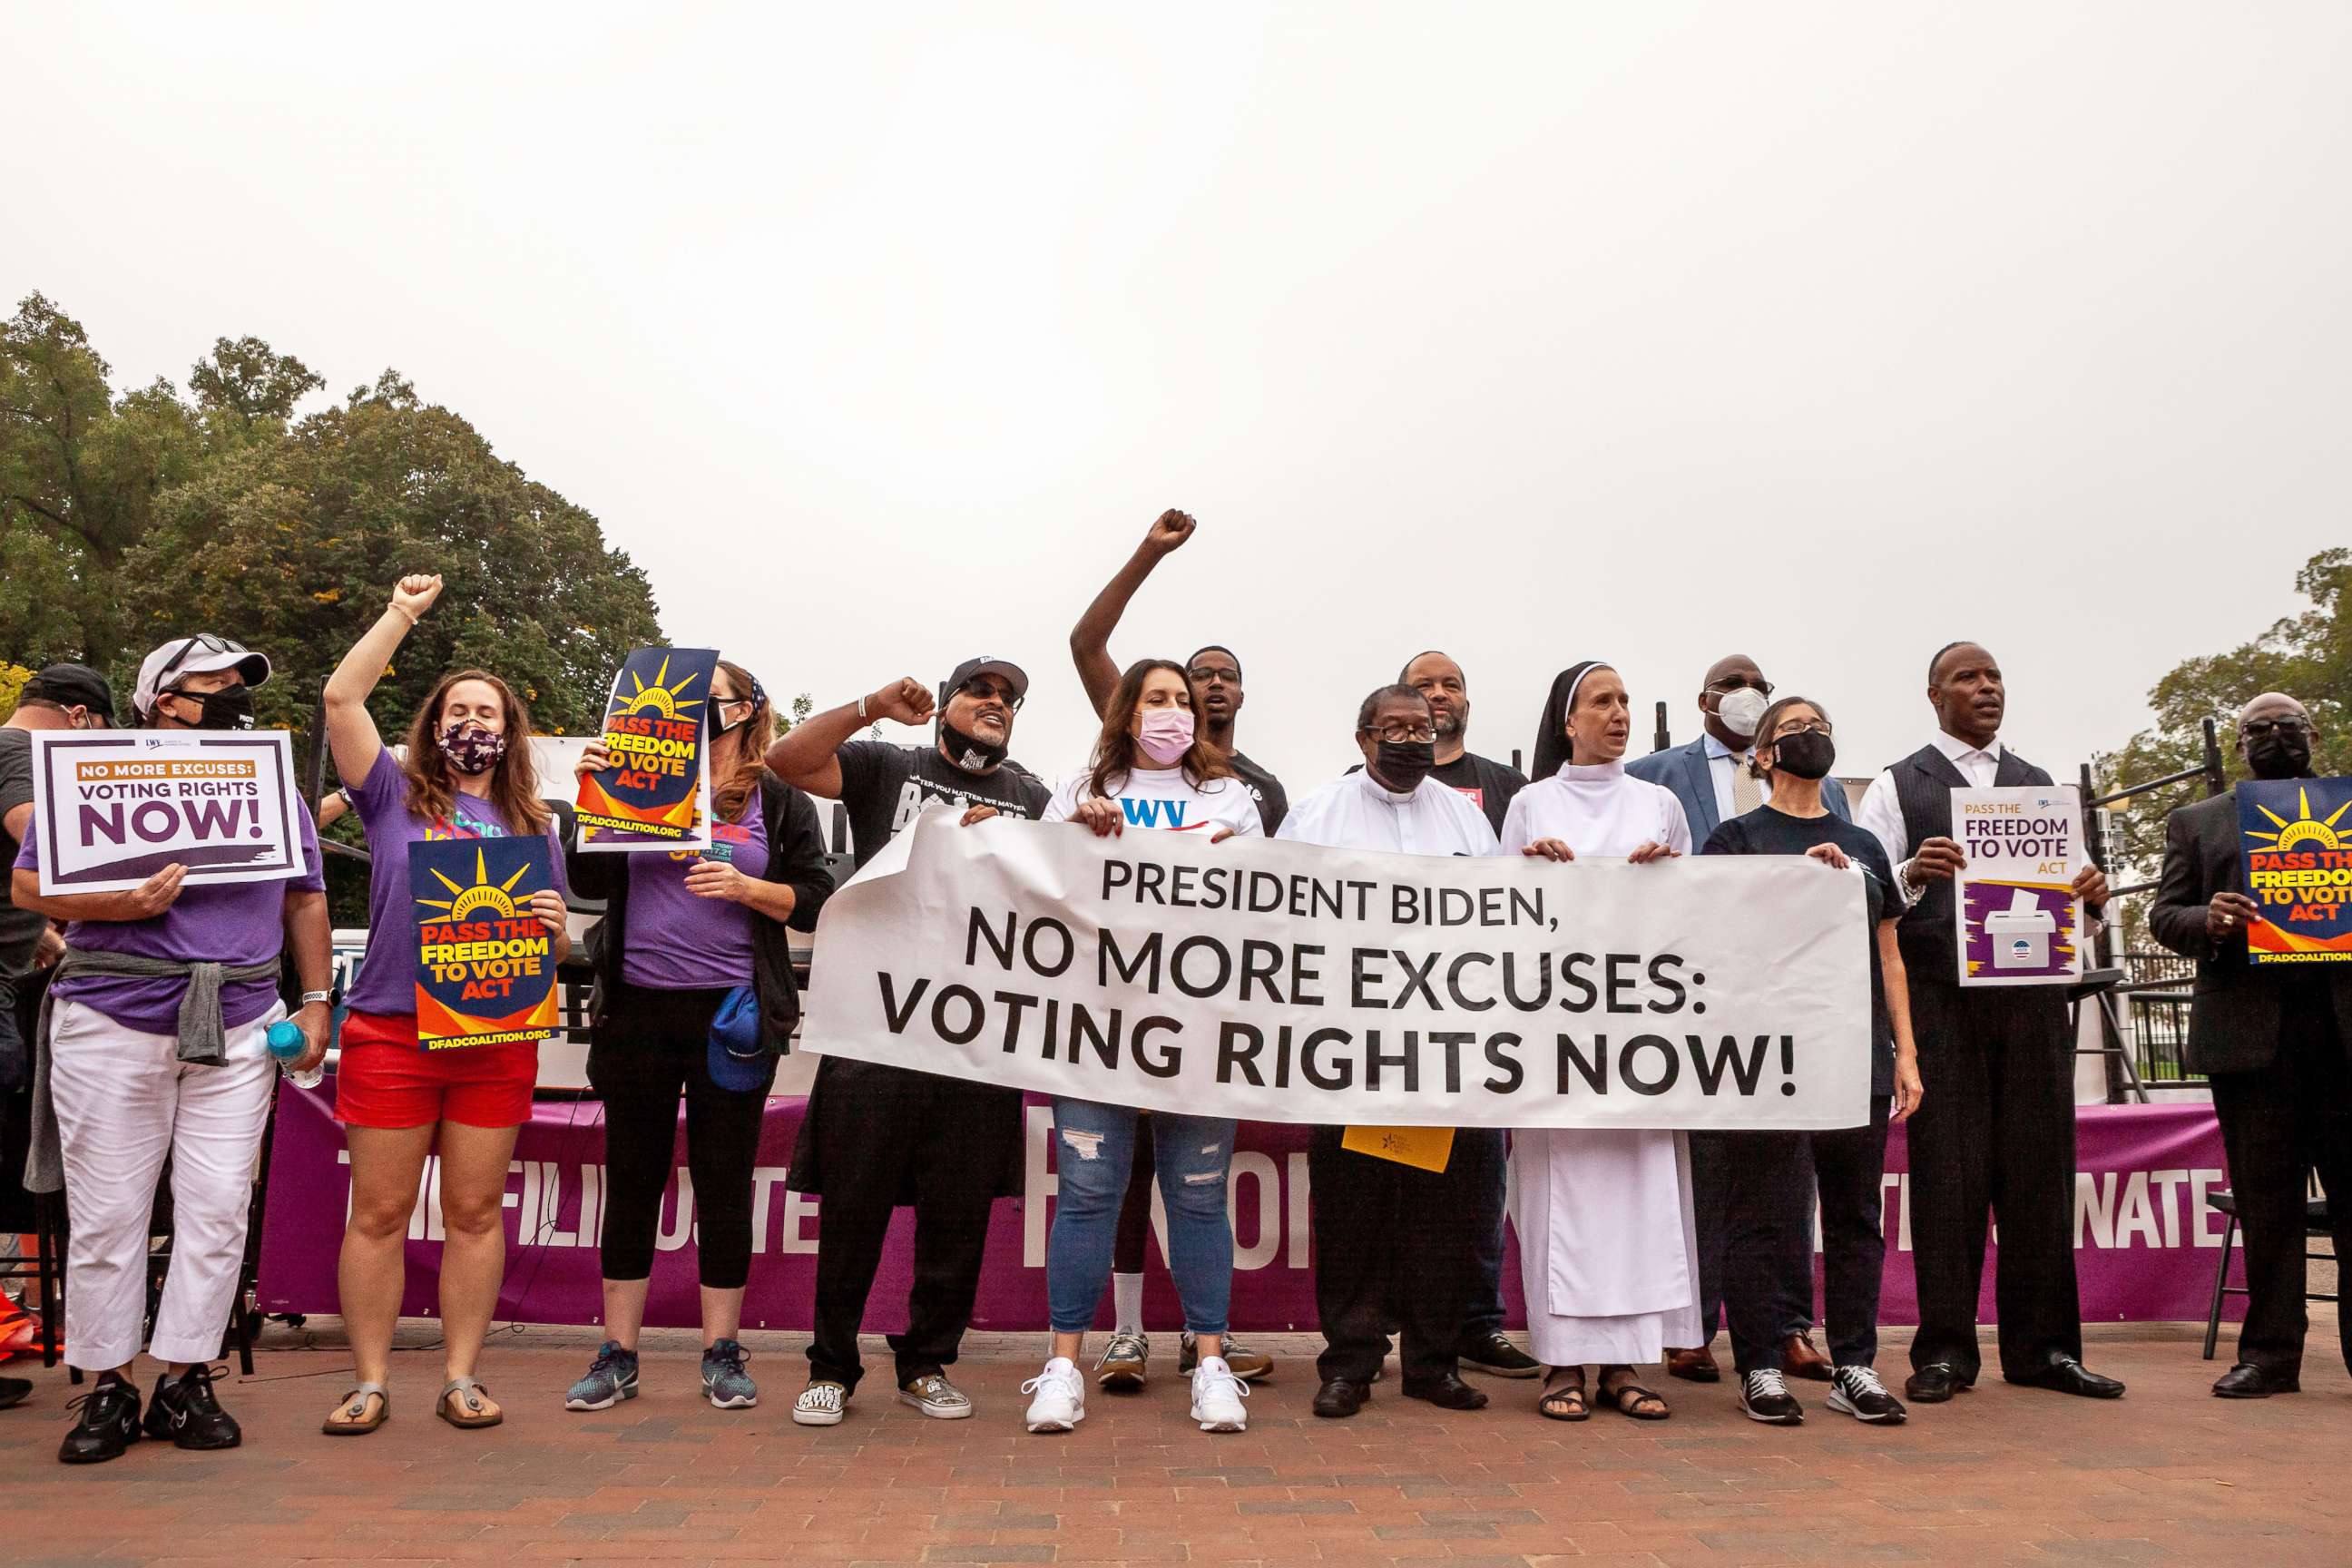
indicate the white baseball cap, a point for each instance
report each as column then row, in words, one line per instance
column 200, row 655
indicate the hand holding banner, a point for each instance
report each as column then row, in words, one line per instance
column 113, row 807
column 657, row 794
column 1284, row 983
column 2298, row 849
column 485, row 963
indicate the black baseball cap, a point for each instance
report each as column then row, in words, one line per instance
column 72, row 685
column 972, row 669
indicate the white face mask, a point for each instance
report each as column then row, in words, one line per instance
column 1741, row 711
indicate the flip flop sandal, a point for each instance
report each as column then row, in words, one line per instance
column 469, row 1392
column 1566, row 1402
column 355, row 1408
column 1626, row 1400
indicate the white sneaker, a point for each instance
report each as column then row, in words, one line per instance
column 1217, row 1396
column 819, row 1404
column 1061, row 1396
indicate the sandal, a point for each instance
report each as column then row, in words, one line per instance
column 1628, row 1397
column 354, row 1409
column 1565, row 1401
column 469, row 1392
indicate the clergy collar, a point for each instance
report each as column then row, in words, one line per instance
column 1380, row 791
column 1592, row 773
column 1955, row 749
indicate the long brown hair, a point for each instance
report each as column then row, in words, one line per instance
column 731, row 788
column 1114, row 749
column 514, row 782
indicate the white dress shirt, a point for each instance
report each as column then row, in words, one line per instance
column 1882, row 811
column 1721, row 760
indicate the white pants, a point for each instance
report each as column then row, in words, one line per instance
column 124, row 1101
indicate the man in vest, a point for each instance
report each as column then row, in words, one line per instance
column 1995, row 1133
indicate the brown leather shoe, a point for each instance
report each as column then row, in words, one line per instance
column 1696, row 1365
column 1800, row 1359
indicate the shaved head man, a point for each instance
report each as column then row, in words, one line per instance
column 1489, row 785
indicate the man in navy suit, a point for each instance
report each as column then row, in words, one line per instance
column 1710, row 777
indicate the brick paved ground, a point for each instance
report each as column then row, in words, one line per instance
column 2000, row 1476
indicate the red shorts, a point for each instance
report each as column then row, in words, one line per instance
column 385, row 1080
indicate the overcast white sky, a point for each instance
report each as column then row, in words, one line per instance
column 1540, row 333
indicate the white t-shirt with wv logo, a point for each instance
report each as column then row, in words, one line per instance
column 1163, row 798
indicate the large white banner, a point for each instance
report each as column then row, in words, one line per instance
column 1279, row 981
column 112, row 807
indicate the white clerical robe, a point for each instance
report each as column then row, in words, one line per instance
column 1608, row 1253
column 1352, row 811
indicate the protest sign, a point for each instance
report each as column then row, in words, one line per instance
column 657, row 794
column 2297, row 835
column 1286, row 982
column 485, row 965
column 2019, row 919
column 113, row 807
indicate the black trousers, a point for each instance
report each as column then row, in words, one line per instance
column 1768, row 1236
column 2278, row 1124
column 652, row 1049
column 1993, row 1139
column 1395, row 1244
column 884, row 1131
column 1713, row 1160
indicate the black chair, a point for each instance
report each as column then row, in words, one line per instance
column 2316, row 1222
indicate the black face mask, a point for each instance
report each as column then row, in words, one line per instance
column 2280, row 754
column 228, row 709
column 969, row 753
column 1807, row 755
column 1400, row 765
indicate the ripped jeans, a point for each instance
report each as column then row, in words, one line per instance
column 1094, row 1149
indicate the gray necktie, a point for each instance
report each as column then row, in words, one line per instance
column 1747, row 789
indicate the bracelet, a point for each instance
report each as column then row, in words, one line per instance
column 861, row 709
column 311, row 997
column 403, row 614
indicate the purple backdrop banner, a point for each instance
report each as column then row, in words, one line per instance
column 2145, row 1241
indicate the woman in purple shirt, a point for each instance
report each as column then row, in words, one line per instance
column 467, row 775
column 684, row 935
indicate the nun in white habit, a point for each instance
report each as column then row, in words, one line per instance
column 1607, row 1249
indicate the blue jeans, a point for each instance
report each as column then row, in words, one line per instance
column 1094, row 1150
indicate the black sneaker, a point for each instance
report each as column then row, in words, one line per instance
column 14, row 1391
column 1857, row 1391
column 1496, row 1356
column 109, row 1424
column 1764, row 1396
column 185, row 1410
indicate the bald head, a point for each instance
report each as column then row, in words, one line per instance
column 2275, row 737
column 1441, row 682
column 1964, row 687
column 2270, row 705
column 1733, row 672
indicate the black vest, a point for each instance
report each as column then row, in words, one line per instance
column 1924, row 783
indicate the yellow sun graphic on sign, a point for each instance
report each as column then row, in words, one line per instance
column 661, row 698
column 2303, row 829
column 483, row 895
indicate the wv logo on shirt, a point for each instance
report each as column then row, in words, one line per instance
column 1149, row 813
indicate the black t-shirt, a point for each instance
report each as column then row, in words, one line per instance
column 886, row 787
column 1765, row 831
column 1273, row 803
column 1488, row 784
column 20, row 930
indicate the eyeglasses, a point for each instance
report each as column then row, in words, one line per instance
column 2257, row 729
column 1802, row 726
column 1406, row 734
column 985, row 688
column 1222, row 675
column 1731, row 683
column 202, row 642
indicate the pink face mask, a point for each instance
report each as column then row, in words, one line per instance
column 1165, row 734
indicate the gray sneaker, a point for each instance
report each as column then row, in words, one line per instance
column 936, row 1398
column 724, row 1379
column 612, row 1377
column 1125, row 1362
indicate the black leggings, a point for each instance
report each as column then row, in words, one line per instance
column 653, row 1045
column 1127, row 1253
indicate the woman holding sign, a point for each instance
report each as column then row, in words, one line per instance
column 1607, row 1250
column 695, row 998
column 1768, row 1242
column 467, row 775
column 1150, row 769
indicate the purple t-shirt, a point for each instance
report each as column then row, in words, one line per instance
column 211, row 923
column 387, row 982
column 677, row 941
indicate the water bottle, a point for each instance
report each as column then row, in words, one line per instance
column 286, row 1044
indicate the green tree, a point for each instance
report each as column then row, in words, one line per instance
column 2307, row 656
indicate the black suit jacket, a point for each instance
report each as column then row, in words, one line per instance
column 2234, row 1011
